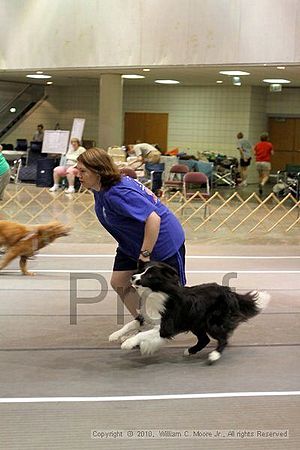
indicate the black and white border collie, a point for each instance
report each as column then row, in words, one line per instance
column 205, row 310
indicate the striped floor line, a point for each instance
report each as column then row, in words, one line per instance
column 126, row 398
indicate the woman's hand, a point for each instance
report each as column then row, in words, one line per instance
column 145, row 259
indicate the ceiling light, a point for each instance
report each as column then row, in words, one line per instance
column 236, row 81
column 281, row 67
column 167, row 81
column 133, row 77
column 39, row 71
column 219, row 81
column 234, row 72
column 34, row 75
column 276, row 81
column 146, row 70
column 275, row 87
column 49, row 82
column 13, row 110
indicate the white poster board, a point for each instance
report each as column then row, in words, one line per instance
column 55, row 141
column 77, row 129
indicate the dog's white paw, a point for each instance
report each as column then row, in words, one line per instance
column 129, row 344
column 186, row 352
column 114, row 336
column 150, row 346
column 127, row 336
column 214, row 356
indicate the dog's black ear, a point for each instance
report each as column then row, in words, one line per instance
column 171, row 273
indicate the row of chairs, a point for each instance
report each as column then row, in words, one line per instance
column 187, row 182
column 180, row 179
column 21, row 145
column 288, row 181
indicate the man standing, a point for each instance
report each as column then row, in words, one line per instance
column 244, row 148
column 263, row 151
column 39, row 134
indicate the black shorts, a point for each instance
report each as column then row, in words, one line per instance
column 244, row 163
column 124, row 262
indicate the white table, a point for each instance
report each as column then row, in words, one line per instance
column 11, row 155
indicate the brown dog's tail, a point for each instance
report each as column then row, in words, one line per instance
column 53, row 229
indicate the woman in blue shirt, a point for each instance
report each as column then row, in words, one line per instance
column 144, row 228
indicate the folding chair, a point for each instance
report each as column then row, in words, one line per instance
column 21, row 145
column 156, row 172
column 175, row 180
column 289, row 181
column 15, row 170
column 194, row 182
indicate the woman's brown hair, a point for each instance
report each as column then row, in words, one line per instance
column 264, row 137
column 98, row 161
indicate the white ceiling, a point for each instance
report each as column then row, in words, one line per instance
column 187, row 75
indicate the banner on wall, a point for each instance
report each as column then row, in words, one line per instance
column 77, row 129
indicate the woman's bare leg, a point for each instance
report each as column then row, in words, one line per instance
column 71, row 180
column 120, row 282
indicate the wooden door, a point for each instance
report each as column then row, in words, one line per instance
column 285, row 136
column 146, row 127
column 134, row 125
column 296, row 158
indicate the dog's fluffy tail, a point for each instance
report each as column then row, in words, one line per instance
column 252, row 303
column 262, row 299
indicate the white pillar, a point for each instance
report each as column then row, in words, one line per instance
column 110, row 111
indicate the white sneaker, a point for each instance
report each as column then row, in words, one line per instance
column 54, row 188
column 70, row 190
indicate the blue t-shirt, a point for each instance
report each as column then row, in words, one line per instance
column 123, row 210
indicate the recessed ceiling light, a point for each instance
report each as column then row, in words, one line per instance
column 146, row 70
column 234, row 72
column 276, row 81
column 49, row 82
column 219, row 81
column 13, row 110
column 281, row 67
column 167, row 81
column 39, row 71
column 34, row 75
column 133, row 77
column 236, row 81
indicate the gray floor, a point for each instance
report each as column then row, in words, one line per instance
column 43, row 355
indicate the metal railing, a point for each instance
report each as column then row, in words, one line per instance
column 22, row 103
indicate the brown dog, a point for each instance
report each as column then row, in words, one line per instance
column 24, row 241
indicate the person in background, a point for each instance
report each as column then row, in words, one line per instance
column 4, row 174
column 39, row 134
column 263, row 151
column 244, row 148
column 144, row 153
column 68, row 170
